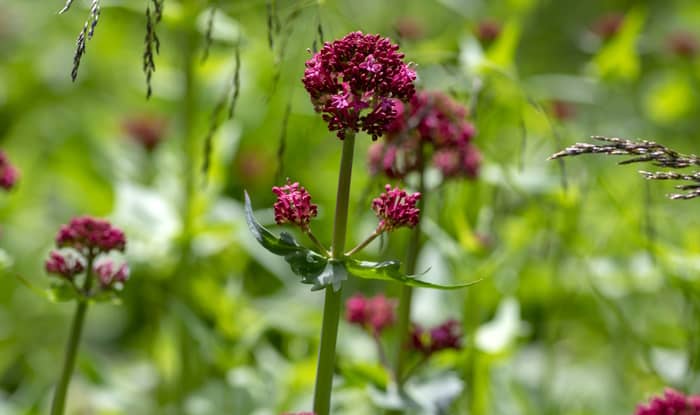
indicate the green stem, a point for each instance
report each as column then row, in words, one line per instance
column 332, row 304
column 59, row 398
column 406, row 296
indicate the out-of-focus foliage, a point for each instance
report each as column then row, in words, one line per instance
column 591, row 297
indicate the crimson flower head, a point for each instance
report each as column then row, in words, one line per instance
column 294, row 205
column 90, row 236
column 396, row 208
column 8, row 172
column 445, row 336
column 375, row 313
column 671, row 403
column 65, row 264
column 434, row 122
column 353, row 81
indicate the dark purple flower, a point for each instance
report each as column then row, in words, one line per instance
column 671, row 403
column 396, row 208
column 352, row 81
column 447, row 335
column 488, row 30
column 294, row 205
column 65, row 264
column 109, row 273
column 147, row 131
column 88, row 235
column 683, row 44
column 431, row 122
column 8, row 172
column 375, row 313
column 608, row 25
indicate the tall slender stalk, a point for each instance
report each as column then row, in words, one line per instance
column 406, row 295
column 332, row 303
column 59, row 398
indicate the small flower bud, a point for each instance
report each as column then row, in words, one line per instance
column 294, row 205
column 396, row 208
column 8, row 172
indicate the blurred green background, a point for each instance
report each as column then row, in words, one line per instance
column 590, row 300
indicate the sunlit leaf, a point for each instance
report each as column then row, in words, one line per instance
column 391, row 271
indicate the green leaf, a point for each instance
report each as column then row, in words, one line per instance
column 390, row 271
column 312, row 267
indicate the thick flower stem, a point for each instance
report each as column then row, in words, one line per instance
column 59, row 397
column 332, row 304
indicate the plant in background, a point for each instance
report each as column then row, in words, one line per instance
column 645, row 151
column 146, row 130
column 671, row 403
column 8, row 173
column 354, row 83
column 84, row 270
column 431, row 132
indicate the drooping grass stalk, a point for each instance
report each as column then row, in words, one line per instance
column 406, row 296
column 332, row 303
column 59, row 398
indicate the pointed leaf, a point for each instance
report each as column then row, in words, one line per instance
column 390, row 271
column 312, row 267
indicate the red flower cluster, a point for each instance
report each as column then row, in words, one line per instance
column 294, row 205
column 374, row 313
column 90, row 235
column 396, row 208
column 148, row 131
column 352, row 81
column 8, row 172
column 672, row 403
column 429, row 118
column 445, row 336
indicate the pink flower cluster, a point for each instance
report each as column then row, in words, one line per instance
column 109, row 273
column 433, row 119
column 90, row 235
column 294, row 205
column 65, row 264
column 375, row 313
column 353, row 82
column 396, row 208
column 8, row 172
column 79, row 243
column 671, row 403
column 445, row 336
